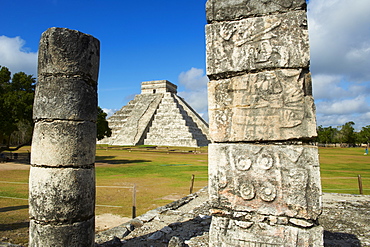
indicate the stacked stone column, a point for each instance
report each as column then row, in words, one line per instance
column 264, row 176
column 62, row 175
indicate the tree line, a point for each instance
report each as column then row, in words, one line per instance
column 344, row 135
column 17, row 94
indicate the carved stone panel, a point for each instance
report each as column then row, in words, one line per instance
column 276, row 41
column 278, row 180
column 270, row 105
column 230, row 232
column 221, row 10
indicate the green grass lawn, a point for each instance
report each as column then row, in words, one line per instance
column 340, row 168
column 161, row 176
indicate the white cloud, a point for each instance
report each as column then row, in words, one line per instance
column 339, row 38
column 193, row 79
column 195, row 83
column 15, row 56
column 340, row 60
column 348, row 106
column 327, row 86
column 109, row 112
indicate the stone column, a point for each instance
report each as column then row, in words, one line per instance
column 62, row 175
column 264, row 178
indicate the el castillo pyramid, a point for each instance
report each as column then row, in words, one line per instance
column 157, row 116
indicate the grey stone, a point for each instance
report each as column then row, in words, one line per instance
column 65, row 98
column 161, row 86
column 260, row 92
column 278, row 180
column 300, row 222
column 62, row 176
column 269, row 42
column 61, row 194
column 267, row 106
column 166, row 229
column 64, row 52
column 63, row 143
column 223, row 10
column 176, row 242
column 229, row 232
column 61, row 235
column 156, row 236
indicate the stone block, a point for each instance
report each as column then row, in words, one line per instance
column 63, row 143
column 229, row 232
column 229, row 10
column 65, row 98
column 277, row 180
column 277, row 41
column 61, row 194
column 73, row 235
column 263, row 106
column 65, row 52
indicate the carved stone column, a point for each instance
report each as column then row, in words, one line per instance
column 264, row 177
column 62, row 175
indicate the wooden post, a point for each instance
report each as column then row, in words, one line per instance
column 192, row 183
column 360, row 185
column 134, row 201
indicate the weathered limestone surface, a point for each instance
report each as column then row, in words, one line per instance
column 277, row 180
column 133, row 129
column 276, row 41
column 223, row 10
column 264, row 178
column 72, row 100
column 262, row 231
column 62, row 174
column 62, row 143
column 269, row 105
column 62, row 235
column 69, row 53
column 159, row 117
column 161, row 86
column 176, row 124
column 59, row 195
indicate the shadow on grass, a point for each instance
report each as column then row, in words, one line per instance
column 7, row 209
column 108, row 160
column 14, row 226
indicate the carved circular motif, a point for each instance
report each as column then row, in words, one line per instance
column 244, row 164
column 265, row 161
column 268, row 192
column 247, row 191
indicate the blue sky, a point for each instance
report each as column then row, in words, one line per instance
column 157, row 39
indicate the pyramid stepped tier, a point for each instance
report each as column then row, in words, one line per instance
column 173, row 126
column 158, row 117
column 129, row 125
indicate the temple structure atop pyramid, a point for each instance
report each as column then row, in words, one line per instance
column 157, row 116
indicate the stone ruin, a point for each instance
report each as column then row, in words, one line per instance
column 62, row 174
column 264, row 178
column 157, row 116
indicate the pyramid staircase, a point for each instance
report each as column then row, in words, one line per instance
column 172, row 126
column 158, row 117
